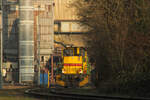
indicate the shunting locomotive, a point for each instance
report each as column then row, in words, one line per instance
column 75, row 67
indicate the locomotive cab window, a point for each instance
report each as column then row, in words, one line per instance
column 68, row 52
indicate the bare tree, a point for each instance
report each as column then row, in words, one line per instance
column 118, row 36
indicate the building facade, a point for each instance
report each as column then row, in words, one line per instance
column 42, row 31
column 67, row 28
column 49, row 17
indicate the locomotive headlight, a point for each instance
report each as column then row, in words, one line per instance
column 63, row 71
column 80, row 71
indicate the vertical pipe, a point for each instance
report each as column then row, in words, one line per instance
column 52, row 72
column 48, row 80
column 1, row 44
column 38, row 45
column 43, row 71
column 52, row 31
column 52, row 23
column 26, row 41
column 1, row 52
column 1, row 61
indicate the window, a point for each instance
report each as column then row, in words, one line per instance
column 67, row 27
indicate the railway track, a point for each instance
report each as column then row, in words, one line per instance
column 56, row 95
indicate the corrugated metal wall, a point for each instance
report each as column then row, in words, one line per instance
column 65, row 17
column 76, row 40
column 63, row 11
column 66, row 24
column 10, row 32
column 10, row 29
column 43, row 24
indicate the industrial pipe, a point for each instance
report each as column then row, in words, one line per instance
column 26, row 41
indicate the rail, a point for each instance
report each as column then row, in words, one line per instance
column 71, row 96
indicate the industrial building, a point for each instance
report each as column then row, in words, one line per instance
column 67, row 29
column 29, row 30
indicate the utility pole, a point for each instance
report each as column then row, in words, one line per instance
column 1, row 44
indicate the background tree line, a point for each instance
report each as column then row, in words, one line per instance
column 118, row 38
